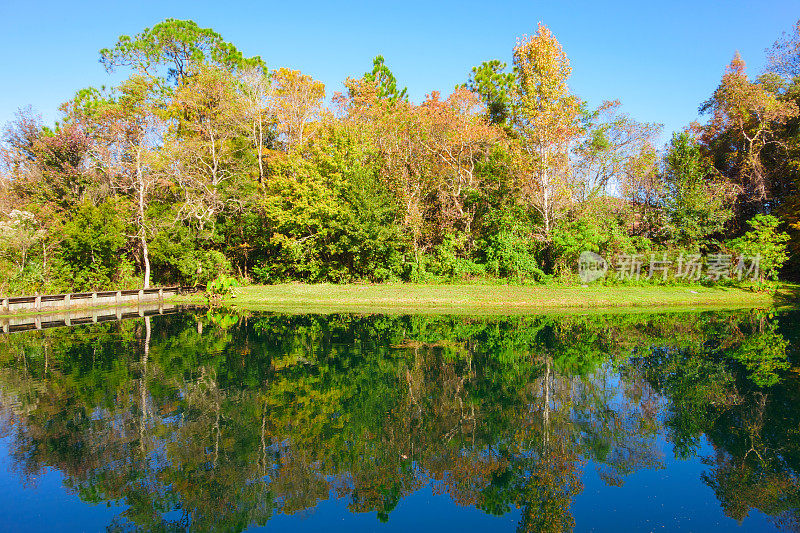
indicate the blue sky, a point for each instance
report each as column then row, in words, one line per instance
column 661, row 59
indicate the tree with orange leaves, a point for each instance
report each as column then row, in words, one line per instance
column 746, row 117
column 546, row 119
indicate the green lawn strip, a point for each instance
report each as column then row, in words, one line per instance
column 493, row 299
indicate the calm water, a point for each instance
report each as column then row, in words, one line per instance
column 213, row 421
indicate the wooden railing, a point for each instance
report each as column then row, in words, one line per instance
column 46, row 302
column 74, row 317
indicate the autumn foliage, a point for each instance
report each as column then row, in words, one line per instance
column 214, row 165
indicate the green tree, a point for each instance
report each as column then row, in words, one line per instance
column 696, row 202
column 384, row 79
column 494, row 85
column 765, row 243
column 92, row 246
column 180, row 46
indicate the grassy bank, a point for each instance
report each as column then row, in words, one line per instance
column 491, row 299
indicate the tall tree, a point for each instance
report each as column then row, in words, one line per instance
column 546, row 120
column 696, row 202
column 784, row 56
column 494, row 85
column 745, row 118
column 610, row 141
column 178, row 45
column 204, row 146
column 257, row 112
column 298, row 105
column 384, row 79
column 132, row 128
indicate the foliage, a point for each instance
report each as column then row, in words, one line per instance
column 595, row 228
column 494, row 85
column 383, row 78
column 221, row 285
column 765, row 242
column 695, row 202
column 217, row 165
column 91, row 246
column 180, row 45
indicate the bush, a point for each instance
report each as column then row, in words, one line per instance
column 596, row 229
column 763, row 241
column 92, row 248
column 221, row 285
column 510, row 255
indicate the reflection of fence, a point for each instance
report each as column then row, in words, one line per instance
column 73, row 317
column 46, row 302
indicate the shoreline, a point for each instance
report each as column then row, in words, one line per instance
column 495, row 298
column 480, row 299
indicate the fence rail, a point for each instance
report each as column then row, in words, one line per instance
column 47, row 302
column 73, row 317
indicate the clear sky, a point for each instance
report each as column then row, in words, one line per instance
column 661, row 59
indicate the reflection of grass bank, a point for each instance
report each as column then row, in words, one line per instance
column 494, row 298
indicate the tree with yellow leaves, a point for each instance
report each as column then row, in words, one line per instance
column 546, row 120
column 299, row 100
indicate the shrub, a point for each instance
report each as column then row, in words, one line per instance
column 763, row 241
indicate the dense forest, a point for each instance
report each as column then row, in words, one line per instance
column 203, row 163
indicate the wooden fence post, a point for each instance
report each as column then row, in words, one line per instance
column 68, row 301
column 37, row 303
column 6, row 306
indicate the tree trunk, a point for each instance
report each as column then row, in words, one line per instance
column 142, row 232
column 146, row 260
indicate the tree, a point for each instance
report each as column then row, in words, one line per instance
column 132, row 128
column 204, row 148
column 610, row 141
column 257, row 111
column 765, row 242
column 92, row 246
column 490, row 81
column 697, row 203
column 179, row 45
column 456, row 138
column 545, row 117
column 745, row 118
column 52, row 167
column 383, row 78
column 784, row 56
column 19, row 233
column 18, row 148
column 298, row 105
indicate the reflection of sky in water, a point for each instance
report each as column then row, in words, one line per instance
column 46, row 505
column 674, row 497
column 660, row 491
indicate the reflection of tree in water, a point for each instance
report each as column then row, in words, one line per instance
column 734, row 390
column 245, row 417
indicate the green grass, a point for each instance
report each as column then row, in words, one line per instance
column 492, row 298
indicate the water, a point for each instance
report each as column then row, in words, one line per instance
column 214, row 421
